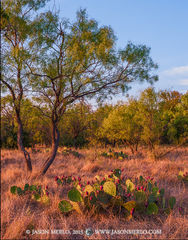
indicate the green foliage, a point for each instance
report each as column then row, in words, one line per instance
column 74, row 195
column 33, row 188
column 112, row 194
column 172, row 202
column 26, row 187
column 140, row 196
column 117, row 172
column 68, row 62
column 19, row 191
column 18, row 26
column 65, row 206
column 168, row 116
column 152, row 119
column 35, row 192
column 152, row 208
column 75, row 64
column 13, row 189
column 162, row 191
column 116, row 155
column 76, row 126
column 122, row 125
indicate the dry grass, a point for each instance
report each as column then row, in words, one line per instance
column 18, row 214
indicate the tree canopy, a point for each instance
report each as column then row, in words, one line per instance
column 61, row 62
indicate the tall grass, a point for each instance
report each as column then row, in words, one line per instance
column 18, row 214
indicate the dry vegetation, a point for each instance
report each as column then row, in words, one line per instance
column 18, row 214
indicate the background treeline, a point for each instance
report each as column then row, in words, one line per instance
column 151, row 119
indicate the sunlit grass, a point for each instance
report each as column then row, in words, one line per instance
column 18, row 215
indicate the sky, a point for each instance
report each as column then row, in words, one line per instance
column 160, row 24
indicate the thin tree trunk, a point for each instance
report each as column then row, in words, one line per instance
column 55, row 145
column 20, row 143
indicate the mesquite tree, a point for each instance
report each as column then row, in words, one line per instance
column 17, row 22
column 84, row 63
column 123, row 125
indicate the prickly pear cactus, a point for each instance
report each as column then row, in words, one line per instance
column 19, row 191
column 74, row 195
column 117, row 172
column 36, row 197
column 152, row 209
column 76, row 207
column 140, row 196
column 88, row 189
column 129, row 205
column 112, row 194
column 45, row 199
column 65, row 206
column 104, row 197
column 110, row 188
column 32, row 188
column 162, row 191
column 163, row 202
column 34, row 191
column 130, row 185
column 13, row 189
column 26, row 187
column 172, row 202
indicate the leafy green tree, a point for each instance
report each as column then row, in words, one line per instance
column 35, row 125
column 168, row 101
column 75, row 125
column 123, row 125
column 17, row 25
column 177, row 125
column 98, row 116
column 150, row 118
column 83, row 63
column 8, row 131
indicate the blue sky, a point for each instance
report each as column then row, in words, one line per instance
column 160, row 24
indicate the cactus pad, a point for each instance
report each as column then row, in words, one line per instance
column 130, row 185
column 172, row 202
column 65, row 206
column 110, row 188
column 74, row 195
column 129, row 205
column 152, row 209
column 13, row 189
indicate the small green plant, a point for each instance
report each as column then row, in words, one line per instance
column 116, row 155
column 34, row 191
column 64, row 180
column 113, row 193
column 66, row 151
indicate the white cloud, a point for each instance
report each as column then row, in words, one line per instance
column 177, row 71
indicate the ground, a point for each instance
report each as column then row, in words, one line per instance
column 18, row 215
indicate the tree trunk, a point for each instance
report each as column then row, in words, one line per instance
column 55, row 145
column 20, row 143
column 130, row 145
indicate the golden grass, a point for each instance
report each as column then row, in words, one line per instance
column 18, row 214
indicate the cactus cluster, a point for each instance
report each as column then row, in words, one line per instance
column 116, row 155
column 66, row 151
column 65, row 180
column 114, row 193
column 34, row 191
